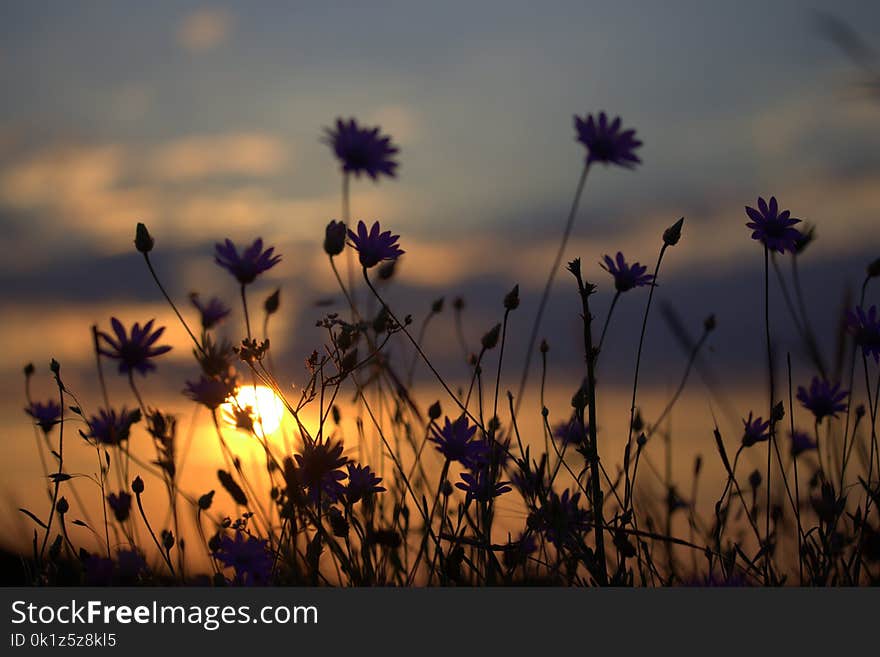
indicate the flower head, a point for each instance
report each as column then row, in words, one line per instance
column 605, row 142
column 133, row 351
column 480, row 486
column 47, row 414
column 252, row 262
column 374, row 247
column 626, row 277
column 121, row 505
column 212, row 313
column 210, row 391
column 801, row 442
column 334, row 238
column 822, row 399
column 361, row 150
column 865, row 327
column 456, row 442
column 319, row 469
column 572, row 432
column 248, row 555
column 755, row 431
column 774, row 229
column 560, row 519
column 361, row 483
column 111, row 428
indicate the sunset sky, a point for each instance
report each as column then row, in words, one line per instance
column 204, row 122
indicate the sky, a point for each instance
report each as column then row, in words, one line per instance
column 205, row 120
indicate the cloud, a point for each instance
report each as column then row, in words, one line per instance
column 204, row 29
column 197, row 157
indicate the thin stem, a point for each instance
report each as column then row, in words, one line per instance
column 536, row 326
column 772, row 439
column 608, row 319
column 171, row 303
column 247, row 319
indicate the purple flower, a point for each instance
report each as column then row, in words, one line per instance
column 605, row 142
column 865, row 327
column 822, row 399
column 46, row 414
column 800, row 443
column 456, row 442
column 479, row 485
column 251, row 263
column 133, row 351
column 374, row 247
column 334, row 238
column 249, row 556
column 626, row 277
column 111, row 428
column 361, row 483
column 121, row 505
column 572, row 432
column 212, row 312
column 560, row 519
column 319, row 469
column 773, row 228
column 361, row 150
column 755, row 431
column 210, row 392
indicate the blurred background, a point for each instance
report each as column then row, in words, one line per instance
column 205, row 122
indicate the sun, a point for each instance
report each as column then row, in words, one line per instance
column 266, row 409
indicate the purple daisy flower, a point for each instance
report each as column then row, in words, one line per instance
column 480, row 487
column 605, row 142
column 47, row 414
column 362, row 150
column 252, row 262
column 800, row 443
column 133, row 351
column 210, row 392
column 572, row 432
column 626, row 277
column 334, row 238
column 755, row 431
column 822, row 399
column 249, row 556
column 773, row 228
column 374, row 247
column 111, row 428
column 865, row 328
column 319, row 470
column 212, row 313
column 121, row 505
column 560, row 519
column 361, row 483
column 456, row 442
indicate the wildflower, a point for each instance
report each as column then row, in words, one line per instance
column 362, row 150
column 319, row 469
column 800, row 443
column 215, row 358
column 120, row 504
column 560, row 519
column 479, row 485
column 249, row 556
column 47, row 414
column 133, row 351
column 361, row 483
column 822, row 399
column 605, row 142
column 516, row 552
column 210, row 392
column 672, row 235
column 111, row 428
column 626, row 277
column 212, row 313
column 755, row 431
column 334, row 238
column 456, row 441
column 773, row 228
column 865, row 327
column 252, row 262
column 374, row 247
column 571, row 433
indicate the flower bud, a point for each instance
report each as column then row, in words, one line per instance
column 206, row 500
column 55, row 367
column 137, row 485
column 709, row 323
column 29, row 369
column 143, row 241
column 437, row 306
column 62, row 507
column 511, row 301
column 874, row 269
column 334, row 238
column 672, row 234
column 272, row 302
column 434, row 410
column 490, row 340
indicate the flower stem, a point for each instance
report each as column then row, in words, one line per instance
column 171, row 303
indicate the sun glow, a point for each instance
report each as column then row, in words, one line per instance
column 266, row 410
